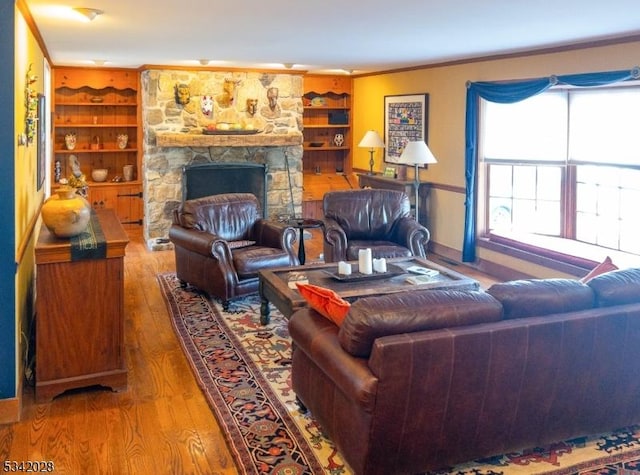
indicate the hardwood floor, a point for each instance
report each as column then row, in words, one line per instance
column 162, row 424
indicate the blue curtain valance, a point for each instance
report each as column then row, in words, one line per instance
column 506, row 93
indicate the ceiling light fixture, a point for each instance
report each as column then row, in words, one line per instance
column 204, row 62
column 288, row 65
column 89, row 13
column 99, row 62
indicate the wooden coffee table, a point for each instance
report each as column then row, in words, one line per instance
column 274, row 283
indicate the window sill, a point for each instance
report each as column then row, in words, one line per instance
column 564, row 255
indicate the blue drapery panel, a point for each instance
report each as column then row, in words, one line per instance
column 506, row 93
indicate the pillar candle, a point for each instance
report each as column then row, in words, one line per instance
column 380, row 265
column 365, row 264
column 344, row 268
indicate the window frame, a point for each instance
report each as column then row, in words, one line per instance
column 568, row 189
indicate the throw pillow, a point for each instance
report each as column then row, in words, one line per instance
column 325, row 301
column 604, row 266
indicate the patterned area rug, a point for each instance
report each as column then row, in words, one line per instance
column 243, row 370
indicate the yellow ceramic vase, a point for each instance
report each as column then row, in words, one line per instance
column 66, row 213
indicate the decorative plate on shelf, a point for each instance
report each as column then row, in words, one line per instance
column 318, row 102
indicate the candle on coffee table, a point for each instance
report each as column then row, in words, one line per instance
column 344, row 268
column 365, row 264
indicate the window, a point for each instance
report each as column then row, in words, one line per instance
column 564, row 163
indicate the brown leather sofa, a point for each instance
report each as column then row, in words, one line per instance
column 370, row 218
column 221, row 243
column 418, row 381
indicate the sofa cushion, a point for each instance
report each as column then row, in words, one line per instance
column 241, row 243
column 249, row 260
column 605, row 266
column 537, row 297
column 405, row 312
column 325, row 301
column 616, row 288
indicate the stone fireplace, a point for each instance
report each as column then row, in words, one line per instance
column 178, row 106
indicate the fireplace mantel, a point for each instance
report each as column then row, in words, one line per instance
column 231, row 140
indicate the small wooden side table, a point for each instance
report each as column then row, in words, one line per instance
column 80, row 313
column 302, row 224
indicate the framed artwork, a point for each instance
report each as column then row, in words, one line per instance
column 42, row 141
column 405, row 120
column 390, row 172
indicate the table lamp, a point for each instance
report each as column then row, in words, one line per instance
column 416, row 153
column 372, row 141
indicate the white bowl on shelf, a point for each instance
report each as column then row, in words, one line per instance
column 99, row 174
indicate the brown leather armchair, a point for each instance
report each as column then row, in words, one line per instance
column 221, row 242
column 371, row 218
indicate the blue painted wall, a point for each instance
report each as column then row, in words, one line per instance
column 7, row 201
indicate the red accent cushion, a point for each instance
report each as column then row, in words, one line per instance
column 325, row 301
column 604, row 266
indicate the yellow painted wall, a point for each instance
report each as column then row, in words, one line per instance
column 446, row 86
column 28, row 197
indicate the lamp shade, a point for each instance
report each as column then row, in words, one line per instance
column 417, row 153
column 371, row 140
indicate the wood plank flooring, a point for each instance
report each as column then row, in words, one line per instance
column 162, row 424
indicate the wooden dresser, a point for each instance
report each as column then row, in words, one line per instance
column 80, row 313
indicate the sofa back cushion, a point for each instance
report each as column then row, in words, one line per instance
column 538, row 297
column 368, row 214
column 406, row 312
column 230, row 216
column 616, row 288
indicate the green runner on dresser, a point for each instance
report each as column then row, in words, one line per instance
column 90, row 243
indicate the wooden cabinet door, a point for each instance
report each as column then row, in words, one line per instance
column 125, row 200
column 103, row 197
column 80, row 308
column 129, row 205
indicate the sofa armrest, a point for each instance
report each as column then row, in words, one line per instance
column 412, row 235
column 335, row 241
column 194, row 240
column 317, row 337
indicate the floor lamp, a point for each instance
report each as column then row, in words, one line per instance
column 417, row 153
column 371, row 140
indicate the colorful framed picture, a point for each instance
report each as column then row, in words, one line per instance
column 390, row 172
column 405, row 120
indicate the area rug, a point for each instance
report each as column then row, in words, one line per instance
column 243, row 368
